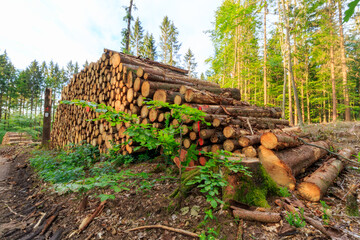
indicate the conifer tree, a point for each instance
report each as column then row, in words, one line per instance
column 169, row 44
column 189, row 63
column 148, row 49
column 137, row 37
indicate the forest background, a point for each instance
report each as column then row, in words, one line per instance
column 260, row 47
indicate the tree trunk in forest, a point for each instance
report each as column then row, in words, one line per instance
column 128, row 27
column 343, row 66
column 307, row 89
column 265, row 53
column 1, row 106
column 332, row 67
column 287, row 26
column 47, row 118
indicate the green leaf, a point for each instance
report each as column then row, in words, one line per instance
column 348, row 13
column 104, row 197
column 213, row 203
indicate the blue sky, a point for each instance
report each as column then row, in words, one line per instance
column 79, row 30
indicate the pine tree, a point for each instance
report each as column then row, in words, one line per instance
column 137, row 37
column 148, row 49
column 189, row 63
column 169, row 44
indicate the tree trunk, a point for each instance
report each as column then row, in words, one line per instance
column 290, row 63
column 332, row 66
column 128, row 27
column 265, row 53
column 343, row 66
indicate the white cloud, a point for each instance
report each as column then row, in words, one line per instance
column 64, row 30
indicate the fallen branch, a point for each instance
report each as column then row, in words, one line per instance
column 268, row 217
column 191, row 234
column 240, row 231
column 87, row 220
column 316, row 224
column 13, row 210
column 340, row 156
column 48, row 223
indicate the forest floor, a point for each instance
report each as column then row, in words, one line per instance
column 30, row 210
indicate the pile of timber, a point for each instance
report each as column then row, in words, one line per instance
column 285, row 157
column 11, row 138
column 124, row 81
column 255, row 133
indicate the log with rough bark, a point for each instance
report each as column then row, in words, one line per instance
column 314, row 186
column 249, row 140
column 245, row 111
column 267, row 217
column 279, row 141
column 225, row 92
column 284, row 165
column 204, row 97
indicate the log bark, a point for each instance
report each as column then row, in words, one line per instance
column 314, row 186
column 284, row 165
column 204, row 97
column 267, row 217
column 245, row 111
column 249, row 140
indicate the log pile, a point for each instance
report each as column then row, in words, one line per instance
column 123, row 81
column 11, row 138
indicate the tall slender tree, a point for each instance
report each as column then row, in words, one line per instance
column 169, row 44
column 137, row 37
column 148, row 49
column 189, row 63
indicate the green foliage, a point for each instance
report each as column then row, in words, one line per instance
column 211, row 181
column 351, row 9
column 169, row 45
column 295, row 219
column 65, row 166
column 284, row 192
column 325, row 209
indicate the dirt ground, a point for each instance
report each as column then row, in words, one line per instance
column 29, row 210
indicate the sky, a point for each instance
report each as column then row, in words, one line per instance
column 79, row 30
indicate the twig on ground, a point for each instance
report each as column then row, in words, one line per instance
column 191, row 234
column 240, row 231
column 340, row 156
column 13, row 210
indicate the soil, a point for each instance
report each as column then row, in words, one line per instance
column 28, row 205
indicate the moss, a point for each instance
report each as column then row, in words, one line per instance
column 255, row 190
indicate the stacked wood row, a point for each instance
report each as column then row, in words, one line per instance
column 124, row 81
column 11, row 138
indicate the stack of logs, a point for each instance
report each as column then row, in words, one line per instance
column 11, row 138
column 124, row 81
column 285, row 156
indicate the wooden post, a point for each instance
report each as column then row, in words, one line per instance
column 47, row 118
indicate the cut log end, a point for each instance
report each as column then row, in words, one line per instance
column 269, row 140
column 277, row 170
column 160, row 95
column 309, row 191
